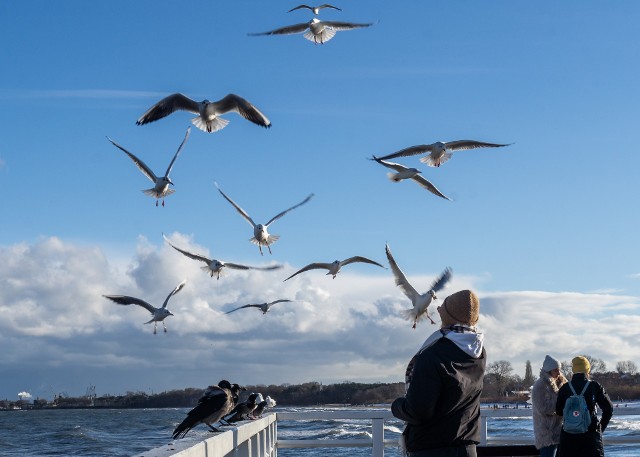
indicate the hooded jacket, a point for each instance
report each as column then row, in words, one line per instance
column 546, row 423
column 442, row 405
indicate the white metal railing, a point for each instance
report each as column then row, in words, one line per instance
column 377, row 441
column 259, row 438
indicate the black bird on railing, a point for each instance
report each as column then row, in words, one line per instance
column 217, row 402
column 243, row 410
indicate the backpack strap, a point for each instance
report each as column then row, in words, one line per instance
column 573, row 391
column 584, row 389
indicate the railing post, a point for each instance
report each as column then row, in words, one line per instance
column 377, row 427
column 483, row 430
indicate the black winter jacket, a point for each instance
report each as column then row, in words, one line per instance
column 587, row 444
column 442, row 404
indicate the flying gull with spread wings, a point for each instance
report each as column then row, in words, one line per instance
column 208, row 113
column 403, row 172
column 335, row 266
column 161, row 183
column 158, row 314
column 216, row 266
column 420, row 301
column 315, row 30
column 264, row 307
column 438, row 151
column 261, row 236
column 315, row 9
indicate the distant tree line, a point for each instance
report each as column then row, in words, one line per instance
column 500, row 382
column 500, row 385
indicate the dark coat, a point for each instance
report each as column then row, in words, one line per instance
column 587, row 444
column 442, row 404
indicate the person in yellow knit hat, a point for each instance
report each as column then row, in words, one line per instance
column 589, row 443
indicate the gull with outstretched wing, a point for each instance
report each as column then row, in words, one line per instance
column 439, row 151
column 315, row 30
column 261, row 236
column 264, row 307
column 208, row 113
column 403, row 172
column 314, row 9
column 335, row 266
column 161, row 183
column 216, row 266
column 157, row 314
column 420, row 301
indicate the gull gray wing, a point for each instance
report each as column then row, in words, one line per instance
column 236, row 266
column 401, row 280
column 300, row 7
column 394, row 166
column 233, row 102
column 461, row 145
column 278, row 216
column 326, row 5
column 442, row 281
column 139, row 163
column 173, row 292
column 191, row 255
column 311, row 266
column 168, row 105
column 430, row 187
column 337, row 25
column 242, row 212
column 178, row 152
column 358, row 258
column 127, row 300
column 287, row 30
column 241, row 307
column 410, row 151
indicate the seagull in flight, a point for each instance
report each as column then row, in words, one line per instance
column 216, row 403
column 215, row 266
column 438, row 151
column 158, row 314
column 264, row 307
column 335, row 266
column 315, row 9
column 420, row 301
column 209, row 113
column 161, row 184
column 315, row 30
column 409, row 173
column 261, row 236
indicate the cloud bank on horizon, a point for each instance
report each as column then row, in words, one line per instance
column 64, row 336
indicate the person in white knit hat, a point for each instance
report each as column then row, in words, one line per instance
column 547, row 425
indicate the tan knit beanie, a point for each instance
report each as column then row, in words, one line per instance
column 463, row 307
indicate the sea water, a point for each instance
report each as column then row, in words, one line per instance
column 127, row 432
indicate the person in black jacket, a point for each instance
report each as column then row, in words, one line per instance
column 441, row 407
column 587, row 444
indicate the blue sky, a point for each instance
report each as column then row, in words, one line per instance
column 545, row 229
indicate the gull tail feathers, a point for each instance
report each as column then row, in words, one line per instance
column 393, row 177
column 429, row 160
column 269, row 241
column 320, row 38
column 155, row 194
column 213, row 125
column 410, row 315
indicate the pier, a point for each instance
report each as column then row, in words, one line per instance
column 259, row 438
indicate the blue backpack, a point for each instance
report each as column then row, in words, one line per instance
column 576, row 415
